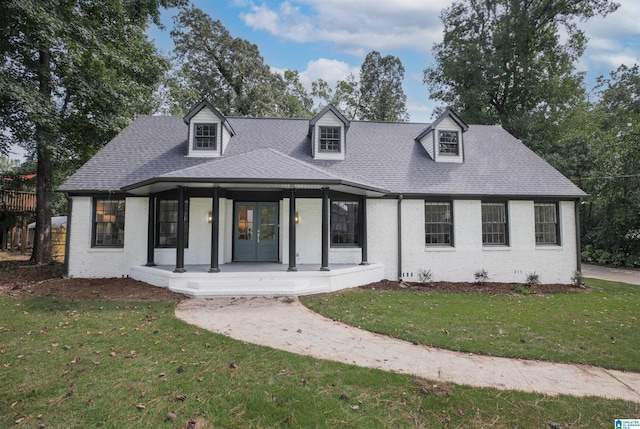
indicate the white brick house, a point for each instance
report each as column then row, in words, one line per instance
column 210, row 205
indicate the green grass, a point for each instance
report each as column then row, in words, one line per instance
column 597, row 327
column 65, row 364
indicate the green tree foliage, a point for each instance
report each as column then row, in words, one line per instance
column 376, row 96
column 73, row 74
column 381, row 95
column 597, row 148
column 503, row 61
column 614, row 218
column 227, row 71
column 345, row 96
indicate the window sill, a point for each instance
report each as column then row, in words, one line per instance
column 110, row 249
column 548, row 247
column 443, row 248
column 346, row 248
column 496, row 248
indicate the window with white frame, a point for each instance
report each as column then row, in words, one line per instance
column 448, row 142
column 546, row 223
column 330, row 139
column 494, row 224
column 438, row 224
column 108, row 224
column 204, row 137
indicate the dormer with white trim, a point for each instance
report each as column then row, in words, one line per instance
column 209, row 131
column 328, row 134
column 444, row 138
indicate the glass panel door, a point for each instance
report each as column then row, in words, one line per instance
column 255, row 231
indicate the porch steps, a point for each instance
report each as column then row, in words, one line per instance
column 273, row 281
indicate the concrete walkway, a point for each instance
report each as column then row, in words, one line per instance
column 292, row 327
column 613, row 274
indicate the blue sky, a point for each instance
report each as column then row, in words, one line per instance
column 328, row 39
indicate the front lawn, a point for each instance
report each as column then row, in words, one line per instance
column 596, row 327
column 117, row 364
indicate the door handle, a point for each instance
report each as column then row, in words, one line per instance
column 258, row 236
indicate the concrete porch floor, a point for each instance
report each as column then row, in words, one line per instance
column 258, row 279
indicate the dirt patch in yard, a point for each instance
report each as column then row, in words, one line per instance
column 19, row 278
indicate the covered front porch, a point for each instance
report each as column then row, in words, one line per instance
column 258, row 279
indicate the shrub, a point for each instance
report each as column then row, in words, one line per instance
column 425, row 276
column 521, row 289
column 533, row 279
column 481, row 276
column 577, row 279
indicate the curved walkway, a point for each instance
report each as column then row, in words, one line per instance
column 294, row 328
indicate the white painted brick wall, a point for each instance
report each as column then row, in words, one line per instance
column 309, row 231
column 85, row 261
column 382, row 234
column 505, row 264
column 554, row 264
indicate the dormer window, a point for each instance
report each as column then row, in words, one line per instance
column 328, row 135
column 330, row 139
column 209, row 131
column 205, row 137
column 448, row 141
column 444, row 138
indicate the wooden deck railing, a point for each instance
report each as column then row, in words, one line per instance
column 17, row 202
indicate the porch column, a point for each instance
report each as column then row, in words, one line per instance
column 325, row 230
column 151, row 233
column 363, row 230
column 180, row 233
column 292, row 231
column 215, row 230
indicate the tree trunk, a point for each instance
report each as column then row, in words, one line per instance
column 42, row 240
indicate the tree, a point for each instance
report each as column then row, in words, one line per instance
column 298, row 102
column 376, row 96
column 615, row 221
column 227, row 71
column 345, row 96
column 73, row 74
column 503, row 60
column 381, row 95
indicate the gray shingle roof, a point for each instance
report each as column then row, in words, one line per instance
column 381, row 155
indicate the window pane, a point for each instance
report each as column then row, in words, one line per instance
column 546, row 223
column 330, row 139
column 205, row 136
column 494, row 223
column 438, row 223
column 108, row 228
column 345, row 223
column 167, row 224
column 448, row 142
column 245, row 222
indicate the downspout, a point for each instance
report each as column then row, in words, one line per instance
column 400, row 238
column 578, row 242
column 68, row 234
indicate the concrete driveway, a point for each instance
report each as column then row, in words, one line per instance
column 292, row 327
column 613, row 274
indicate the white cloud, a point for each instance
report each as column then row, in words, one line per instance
column 613, row 40
column 356, row 26
column 328, row 70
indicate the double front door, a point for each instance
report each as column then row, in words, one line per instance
column 255, row 231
